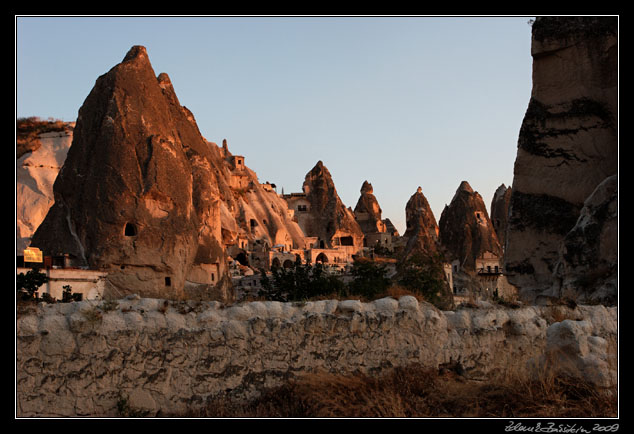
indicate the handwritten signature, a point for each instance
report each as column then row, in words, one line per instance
column 552, row 427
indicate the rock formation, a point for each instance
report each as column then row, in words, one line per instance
column 368, row 212
column 327, row 218
column 137, row 195
column 466, row 232
column 252, row 212
column 421, row 230
column 568, row 142
column 39, row 160
column 500, row 211
column 588, row 258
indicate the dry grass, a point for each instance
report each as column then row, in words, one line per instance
column 420, row 392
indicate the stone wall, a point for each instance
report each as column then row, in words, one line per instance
column 82, row 358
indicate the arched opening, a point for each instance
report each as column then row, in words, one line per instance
column 288, row 264
column 130, row 230
column 275, row 263
column 322, row 258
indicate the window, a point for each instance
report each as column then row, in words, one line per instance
column 213, row 277
column 168, row 281
column 130, row 230
column 346, row 241
column 301, row 208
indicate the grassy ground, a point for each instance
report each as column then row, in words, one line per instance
column 421, row 392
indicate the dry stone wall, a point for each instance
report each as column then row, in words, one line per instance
column 82, row 358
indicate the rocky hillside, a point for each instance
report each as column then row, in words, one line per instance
column 567, row 146
column 41, row 152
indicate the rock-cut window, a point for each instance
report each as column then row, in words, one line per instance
column 130, row 230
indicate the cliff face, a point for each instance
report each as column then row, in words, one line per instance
column 567, row 143
column 137, row 196
column 466, row 232
column 328, row 218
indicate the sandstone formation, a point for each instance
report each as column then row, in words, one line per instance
column 568, row 143
column 421, row 230
column 466, row 232
column 368, row 212
column 500, row 211
column 82, row 359
column 327, row 218
column 137, row 195
column 252, row 213
column 39, row 160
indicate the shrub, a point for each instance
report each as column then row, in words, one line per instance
column 423, row 274
column 300, row 282
column 369, row 279
column 27, row 284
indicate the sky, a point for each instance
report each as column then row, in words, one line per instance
column 401, row 102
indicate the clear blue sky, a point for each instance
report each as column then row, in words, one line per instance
column 399, row 101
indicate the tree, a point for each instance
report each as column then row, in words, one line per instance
column 424, row 274
column 369, row 279
column 27, row 284
column 299, row 282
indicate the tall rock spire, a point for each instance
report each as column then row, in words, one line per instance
column 328, row 218
column 421, row 228
column 466, row 232
column 136, row 196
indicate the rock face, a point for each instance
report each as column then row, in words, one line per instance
column 567, row 143
column 466, row 232
column 500, row 211
column 587, row 269
column 81, row 359
column 421, row 228
column 251, row 212
column 328, row 218
column 35, row 172
column 137, row 195
column 368, row 212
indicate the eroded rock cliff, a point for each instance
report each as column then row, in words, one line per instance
column 567, row 145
